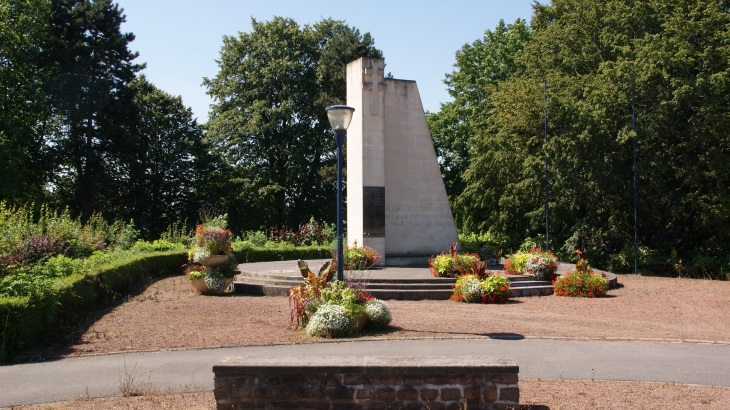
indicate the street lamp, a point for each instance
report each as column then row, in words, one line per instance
column 340, row 117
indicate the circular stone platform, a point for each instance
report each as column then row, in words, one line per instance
column 402, row 283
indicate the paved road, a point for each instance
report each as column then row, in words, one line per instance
column 545, row 359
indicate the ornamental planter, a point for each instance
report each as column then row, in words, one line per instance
column 199, row 285
column 215, row 260
column 359, row 321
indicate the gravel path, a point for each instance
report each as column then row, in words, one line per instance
column 169, row 314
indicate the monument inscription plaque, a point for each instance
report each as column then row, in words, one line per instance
column 373, row 203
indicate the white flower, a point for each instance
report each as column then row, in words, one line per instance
column 200, row 254
column 537, row 267
column 329, row 321
column 215, row 283
column 471, row 289
column 378, row 313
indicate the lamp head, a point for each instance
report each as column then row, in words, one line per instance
column 339, row 116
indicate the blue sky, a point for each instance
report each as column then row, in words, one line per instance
column 180, row 40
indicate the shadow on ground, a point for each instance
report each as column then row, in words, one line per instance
column 497, row 335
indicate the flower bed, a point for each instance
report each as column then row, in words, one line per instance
column 451, row 265
column 325, row 309
column 359, row 258
column 581, row 282
column 491, row 289
column 537, row 263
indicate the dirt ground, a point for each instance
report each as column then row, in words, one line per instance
column 534, row 395
column 170, row 315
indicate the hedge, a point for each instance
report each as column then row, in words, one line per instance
column 283, row 253
column 30, row 323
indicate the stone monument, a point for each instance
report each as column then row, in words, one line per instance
column 396, row 199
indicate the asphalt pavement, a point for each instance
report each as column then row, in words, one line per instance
column 191, row 370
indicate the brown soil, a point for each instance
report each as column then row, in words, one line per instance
column 535, row 395
column 170, row 315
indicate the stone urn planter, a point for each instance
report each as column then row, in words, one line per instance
column 359, row 321
column 215, row 260
column 199, row 285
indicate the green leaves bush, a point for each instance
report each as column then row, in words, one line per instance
column 451, row 265
column 246, row 252
column 41, row 307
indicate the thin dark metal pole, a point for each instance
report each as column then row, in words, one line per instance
column 547, row 187
column 340, row 137
column 636, row 220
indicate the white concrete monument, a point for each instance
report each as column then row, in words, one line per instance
column 396, row 199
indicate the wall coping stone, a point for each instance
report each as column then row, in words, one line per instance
column 403, row 365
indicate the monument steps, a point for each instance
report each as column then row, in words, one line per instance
column 399, row 289
column 399, row 283
column 278, row 284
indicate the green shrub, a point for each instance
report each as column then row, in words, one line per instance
column 256, row 238
column 73, row 292
column 487, row 245
column 26, row 324
column 246, row 252
column 178, row 232
column 18, row 224
column 160, row 245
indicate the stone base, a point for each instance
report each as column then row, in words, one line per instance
column 366, row 383
column 415, row 260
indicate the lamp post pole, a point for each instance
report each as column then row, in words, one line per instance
column 636, row 220
column 339, row 117
column 547, row 187
column 340, row 137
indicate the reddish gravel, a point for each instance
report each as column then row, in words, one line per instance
column 535, row 395
column 169, row 314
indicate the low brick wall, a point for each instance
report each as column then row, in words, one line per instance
column 324, row 383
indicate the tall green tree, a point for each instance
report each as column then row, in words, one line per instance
column 268, row 119
column 173, row 158
column 23, row 164
column 677, row 52
column 479, row 69
column 90, row 68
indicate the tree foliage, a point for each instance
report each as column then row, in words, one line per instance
column 677, row 54
column 173, row 159
column 22, row 155
column 90, row 102
column 268, row 120
column 80, row 130
column 480, row 67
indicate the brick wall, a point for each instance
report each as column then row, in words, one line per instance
column 436, row 383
